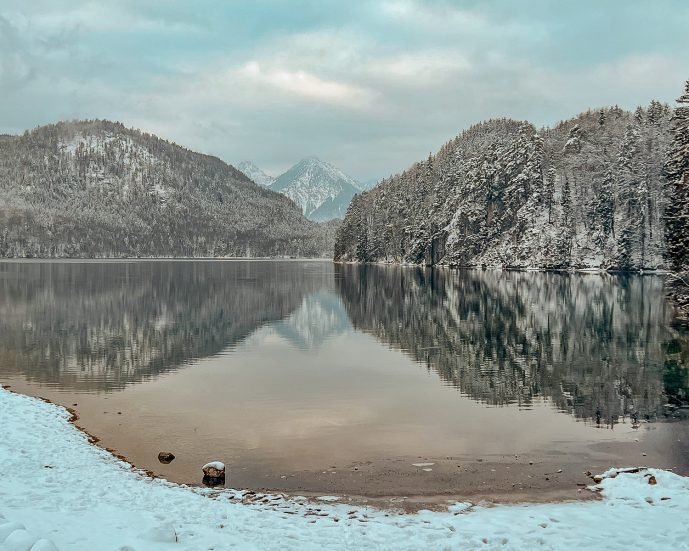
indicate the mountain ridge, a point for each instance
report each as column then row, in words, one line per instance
column 95, row 188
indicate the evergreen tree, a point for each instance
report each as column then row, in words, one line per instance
column 549, row 191
column 604, row 207
column 567, row 223
column 601, row 117
column 632, row 213
column 677, row 171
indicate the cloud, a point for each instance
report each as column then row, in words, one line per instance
column 371, row 86
column 438, row 16
column 94, row 17
column 307, row 85
column 15, row 63
column 421, row 68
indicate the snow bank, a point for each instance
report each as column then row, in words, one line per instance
column 63, row 490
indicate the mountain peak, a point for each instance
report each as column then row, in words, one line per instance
column 322, row 190
column 251, row 171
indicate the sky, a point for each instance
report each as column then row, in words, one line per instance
column 369, row 86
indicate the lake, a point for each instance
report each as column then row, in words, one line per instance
column 380, row 382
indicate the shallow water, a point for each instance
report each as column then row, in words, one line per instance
column 305, row 375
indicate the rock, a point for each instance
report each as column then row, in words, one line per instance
column 598, row 479
column 214, row 469
column 165, row 457
column 652, row 480
column 214, row 473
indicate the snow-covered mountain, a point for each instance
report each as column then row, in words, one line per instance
column 322, row 191
column 98, row 189
column 251, row 171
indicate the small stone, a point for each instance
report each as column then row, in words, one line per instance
column 598, row 479
column 165, row 457
column 652, row 480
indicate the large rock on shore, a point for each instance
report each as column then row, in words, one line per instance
column 214, row 469
column 214, row 473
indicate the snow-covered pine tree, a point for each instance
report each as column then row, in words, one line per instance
column 564, row 239
column 601, row 117
column 604, row 207
column 677, row 171
column 549, row 191
column 632, row 229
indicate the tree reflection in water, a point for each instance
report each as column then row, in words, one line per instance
column 596, row 345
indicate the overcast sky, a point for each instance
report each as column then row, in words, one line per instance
column 370, row 86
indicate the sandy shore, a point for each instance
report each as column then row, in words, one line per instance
column 407, row 483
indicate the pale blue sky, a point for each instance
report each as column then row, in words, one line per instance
column 370, row 86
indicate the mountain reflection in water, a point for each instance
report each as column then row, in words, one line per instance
column 599, row 347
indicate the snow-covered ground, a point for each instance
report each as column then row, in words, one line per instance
column 56, row 486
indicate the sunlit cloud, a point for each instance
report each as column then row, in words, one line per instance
column 307, row 85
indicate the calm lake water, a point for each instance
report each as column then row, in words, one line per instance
column 351, row 376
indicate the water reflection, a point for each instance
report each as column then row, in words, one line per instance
column 599, row 347
column 100, row 326
column 320, row 317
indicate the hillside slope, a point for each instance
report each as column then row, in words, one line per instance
column 588, row 193
column 98, row 189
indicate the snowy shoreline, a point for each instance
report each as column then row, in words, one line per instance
column 59, row 487
column 593, row 270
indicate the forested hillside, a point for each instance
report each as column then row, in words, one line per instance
column 588, row 193
column 98, row 189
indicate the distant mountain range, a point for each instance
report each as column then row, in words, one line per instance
column 321, row 190
column 99, row 189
